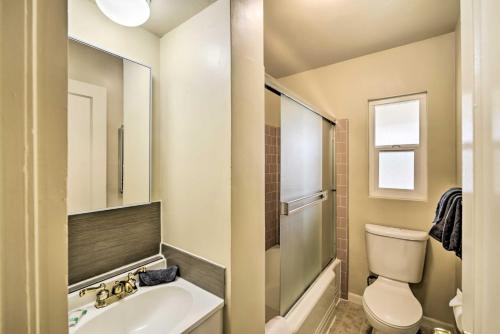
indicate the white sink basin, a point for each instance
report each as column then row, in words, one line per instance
column 175, row 307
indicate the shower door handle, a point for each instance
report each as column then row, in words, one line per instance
column 291, row 207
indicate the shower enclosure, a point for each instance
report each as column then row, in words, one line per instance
column 306, row 202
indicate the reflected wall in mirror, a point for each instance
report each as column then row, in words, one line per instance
column 109, row 130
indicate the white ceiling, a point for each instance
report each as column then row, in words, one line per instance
column 305, row 34
column 168, row 14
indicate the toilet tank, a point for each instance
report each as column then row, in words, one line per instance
column 396, row 253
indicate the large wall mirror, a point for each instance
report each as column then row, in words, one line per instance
column 109, row 130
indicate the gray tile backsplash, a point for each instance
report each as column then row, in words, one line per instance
column 105, row 240
column 203, row 273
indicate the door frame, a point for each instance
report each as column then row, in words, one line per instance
column 33, row 151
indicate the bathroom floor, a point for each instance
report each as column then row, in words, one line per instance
column 350, row 319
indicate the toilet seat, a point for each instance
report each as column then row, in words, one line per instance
column 392, row 305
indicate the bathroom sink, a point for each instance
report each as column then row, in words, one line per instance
column 148, row 312
column 176, row 307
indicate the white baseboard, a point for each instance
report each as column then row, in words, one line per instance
column 354, row 298
column 426, row 321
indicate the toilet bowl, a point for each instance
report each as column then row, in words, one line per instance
column 391, row 307
column 397, row 256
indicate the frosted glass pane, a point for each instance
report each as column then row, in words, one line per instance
column 396, row 170
column 300, row 246
column 397, row 123
column 301, row 175
column 301, row 151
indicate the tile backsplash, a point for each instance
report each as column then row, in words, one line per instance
column 272, row 163
column 203, row 273
column 342, row 168
column 105, row 240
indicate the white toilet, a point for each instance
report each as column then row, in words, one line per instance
column 397, row 256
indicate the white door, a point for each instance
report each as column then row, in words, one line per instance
column 86, row 147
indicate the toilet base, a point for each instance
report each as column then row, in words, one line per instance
column 381, row 328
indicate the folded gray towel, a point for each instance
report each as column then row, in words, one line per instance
column 155, row 277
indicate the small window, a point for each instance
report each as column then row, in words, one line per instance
column 398, row 148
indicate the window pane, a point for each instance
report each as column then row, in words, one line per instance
column 397, row 123
column 396, row 170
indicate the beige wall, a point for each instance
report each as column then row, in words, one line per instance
column 247, row 168
column 88, row 24
column 212, row 154
column 33, row 131
column 195, row 136
column 103, row 69
column 345, row 88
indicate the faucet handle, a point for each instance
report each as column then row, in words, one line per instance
column 117, row 288
column 130, row 284
column 140, row 270
column 101, row 286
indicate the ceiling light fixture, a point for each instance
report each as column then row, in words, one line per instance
column 129, row 13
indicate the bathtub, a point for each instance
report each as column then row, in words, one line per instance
column 313, row 312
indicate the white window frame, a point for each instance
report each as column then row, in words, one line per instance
column 419, row 193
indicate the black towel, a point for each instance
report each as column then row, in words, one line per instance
column 456, row 234
column 155, row 277
column 447, row 225
column 444, row 201
column 442, row 208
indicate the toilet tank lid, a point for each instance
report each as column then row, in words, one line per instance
column 398, row 233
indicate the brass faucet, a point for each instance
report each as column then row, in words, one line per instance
column 102, row 294
column 120, row 290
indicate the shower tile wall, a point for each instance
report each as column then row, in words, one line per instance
column 272, row 162
column 342, row 168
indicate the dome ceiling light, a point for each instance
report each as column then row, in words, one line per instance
column 129, row 13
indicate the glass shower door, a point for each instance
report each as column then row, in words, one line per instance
column 301, row 196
